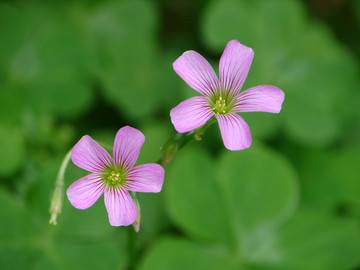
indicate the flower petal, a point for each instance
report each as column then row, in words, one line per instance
column 196, row 72
column 127, row 144
column 89, row 155
column 191, row 114
column 234, row 131
column 84, row 192
column 262, row 98
column 145, row 178
column 120, row 206
column 234, row 66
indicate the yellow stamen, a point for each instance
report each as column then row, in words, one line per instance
column 219, row 106
column 116, row 177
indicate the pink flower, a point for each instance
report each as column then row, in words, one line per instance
column 221, row 97
column 113, row 176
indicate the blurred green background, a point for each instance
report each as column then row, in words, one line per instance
column 291, row 201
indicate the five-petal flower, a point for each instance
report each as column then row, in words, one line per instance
column 113, row 176
column 221, row 97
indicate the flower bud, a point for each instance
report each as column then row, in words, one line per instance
column 171, row 147
column 57, row 194
column 56, row 202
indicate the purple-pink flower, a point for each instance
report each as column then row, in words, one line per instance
column 113, row 176
column 221, row 97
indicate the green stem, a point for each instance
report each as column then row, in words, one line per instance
column 179, row 140
column 61, row 173
column 200, row 131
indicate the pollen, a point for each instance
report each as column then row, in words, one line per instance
column 115, row 178
column 219, row 106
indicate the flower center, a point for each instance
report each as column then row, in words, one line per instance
column 219, row 106
column 115, row 177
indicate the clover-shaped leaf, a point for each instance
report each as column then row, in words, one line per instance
column 239, row 211
column 126, row 59
column 12, row 150
column 222, row 202
column 335, row 187
column 174, row 253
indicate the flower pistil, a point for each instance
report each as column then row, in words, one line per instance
column 219, row 106
column 115, row 178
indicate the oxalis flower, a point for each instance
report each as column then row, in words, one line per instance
column 221, row 97
column 113, row 176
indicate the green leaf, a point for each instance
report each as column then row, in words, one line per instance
column 10, row 108
column 46, row 65
column 15, row 256
column 15, row 232
column 12, row 150
column 153, row 215
column 63, row 93
column 261, row 192
column 19, row 25
column 249, row 21
column 127, row 61
column 312, row 240
column 336, row 184
column 262, row 125
column 78, row 253
column 175, row 253
column 319, row 82
column 222, row 200
column 101, row 255
column 309, row 123
column 194, row 197
column 16, row 223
